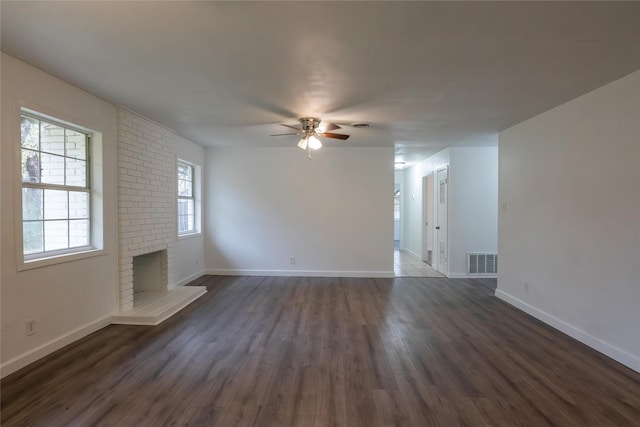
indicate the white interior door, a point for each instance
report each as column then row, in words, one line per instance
column 441, row 235
column 427, row 218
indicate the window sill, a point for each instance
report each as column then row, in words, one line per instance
column 58, row 259
column 189, row 235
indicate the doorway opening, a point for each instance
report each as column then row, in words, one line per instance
column 408, row 263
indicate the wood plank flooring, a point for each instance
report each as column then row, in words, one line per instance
column 287, row 351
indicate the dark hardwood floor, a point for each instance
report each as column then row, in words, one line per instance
column 277, row 351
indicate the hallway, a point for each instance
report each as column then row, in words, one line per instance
column 405, row 265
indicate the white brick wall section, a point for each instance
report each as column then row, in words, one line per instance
column 147, row 215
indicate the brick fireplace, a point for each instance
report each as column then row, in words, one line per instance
column 147, row 223
column 146, row 202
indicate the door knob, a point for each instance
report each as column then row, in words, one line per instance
column 437, row 227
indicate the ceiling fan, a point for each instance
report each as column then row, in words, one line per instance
column 310, row 132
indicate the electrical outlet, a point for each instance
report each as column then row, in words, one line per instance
column 31, row 326
column 292, row 260
column 526, row 287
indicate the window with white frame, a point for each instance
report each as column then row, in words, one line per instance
column 186, row 198
column 56, row 188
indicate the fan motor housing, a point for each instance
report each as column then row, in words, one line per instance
column 309, row 123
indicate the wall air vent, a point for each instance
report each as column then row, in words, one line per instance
column 482, row 264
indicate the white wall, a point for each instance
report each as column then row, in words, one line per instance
column 333, row 213
column 570, row 179
column 74, row 298
column 473, row 205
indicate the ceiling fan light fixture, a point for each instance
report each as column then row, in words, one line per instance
column 314, row 142
column 311, row 131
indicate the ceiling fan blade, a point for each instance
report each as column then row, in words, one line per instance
column 334, row 135
column 283, row 134
column 331, row 126
column 292, row 127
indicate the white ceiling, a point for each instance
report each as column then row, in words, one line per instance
column 426, row 75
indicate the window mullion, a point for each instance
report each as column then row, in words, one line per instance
column 68, row 216
column 39, row 145
column 87, row 155
column 55, row 187
column 64, row 174
column 44, row 209
column 64, row 156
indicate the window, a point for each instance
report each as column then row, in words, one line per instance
column 56, row 191
column 186, row 199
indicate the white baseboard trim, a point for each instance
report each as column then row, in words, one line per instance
column 413, row 254
column 37, row 353
column 299, row 273
column 188, row 279
column 603, row 347
column 467, row 276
